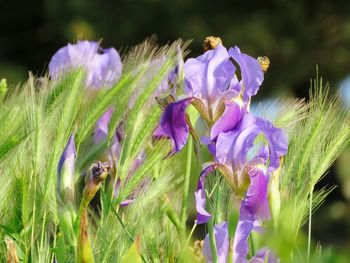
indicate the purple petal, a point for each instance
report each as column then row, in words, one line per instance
column 229, row 119
column 256, row 199
column 173, row 124
column 264, row 255
column 101, row 128
column 254, row 207
column 240, row 242
column 208, row 75
column 252, row 74
column 277, row 140
column 107, row 69
column 103, row 66
column 66, row 167
column 200, row 196
column 232, row 147
column 222, row 243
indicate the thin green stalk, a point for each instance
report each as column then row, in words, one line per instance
column 126, row 230
column 191, row 233
column 173, row 216
column 212, row 240
column 43, row 232
column 310, row 223
column 183, row 213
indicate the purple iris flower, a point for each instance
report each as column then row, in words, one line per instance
column 232, row 156
column 65, row 171
column 103, row 66
column 212, row 87
column 222, row 243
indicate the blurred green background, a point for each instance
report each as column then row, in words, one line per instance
column 295, row 35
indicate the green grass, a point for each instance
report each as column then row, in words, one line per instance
column 38, row 117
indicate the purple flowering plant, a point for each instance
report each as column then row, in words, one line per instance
column 213, row 87
column 150, row 156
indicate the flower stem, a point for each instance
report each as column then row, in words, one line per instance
column 172, row 215
column 212, row 240
column 186, row 186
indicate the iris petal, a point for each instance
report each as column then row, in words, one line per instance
column 222, row 243
column 252, row 74
column 101, row 128
column 228, row 120
column 173, row 124
column 66, row 169
column 264, row 255
column 103, row 66
column 254, row 208
column 200, row 196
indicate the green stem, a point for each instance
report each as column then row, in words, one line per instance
column 183, row 213
column 310, row 224
column 126, row 230
column 212, row 240
column 173, row 216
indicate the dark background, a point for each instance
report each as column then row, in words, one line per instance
column 295, row 35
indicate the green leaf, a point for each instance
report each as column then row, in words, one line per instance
column 134, row 252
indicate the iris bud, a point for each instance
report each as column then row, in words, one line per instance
column 96, row 175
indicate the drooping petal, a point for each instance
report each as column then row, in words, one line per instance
column 229, row 119
column 65, row 171
column 252, row 74
column 254, row 208
column 277, row 141
column 222, row 243
column 208, row 75
column 256, row 199
column 264, row 255
column 103, row 66
column 200, row 196
column 173, row 124
column 101, row 128
column 232, row 147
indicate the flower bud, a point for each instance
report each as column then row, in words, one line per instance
column 65, row 172
column 96, row 175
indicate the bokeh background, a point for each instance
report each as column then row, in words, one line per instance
column 296, row 36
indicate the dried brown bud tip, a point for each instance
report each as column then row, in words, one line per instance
column 211, row 43
column 100, row 170
column 264, row 63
